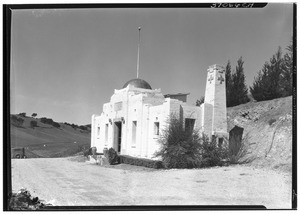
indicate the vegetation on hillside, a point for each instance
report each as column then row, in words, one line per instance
column 43, row 137
column 16, row 121
column 236, row 89
column 50, row 122
column 275, row 79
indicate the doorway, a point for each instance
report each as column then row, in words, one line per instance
column 117, row 136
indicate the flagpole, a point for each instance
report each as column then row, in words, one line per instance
column 138, row 55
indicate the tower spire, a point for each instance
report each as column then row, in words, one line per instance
column 138, row 54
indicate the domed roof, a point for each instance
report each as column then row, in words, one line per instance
column 138, row 83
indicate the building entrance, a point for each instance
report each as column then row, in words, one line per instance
column 117, row 136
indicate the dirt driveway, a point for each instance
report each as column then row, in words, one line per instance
column 61, row 181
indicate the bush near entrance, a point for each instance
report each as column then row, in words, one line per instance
column 185, row 148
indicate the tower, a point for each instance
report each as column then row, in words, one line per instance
column 214, row 114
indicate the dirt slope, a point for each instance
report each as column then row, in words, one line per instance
column 267, row 138
column 47, row 140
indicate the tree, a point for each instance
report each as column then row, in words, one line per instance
column 236, row 89
column 229, row 85
column 23, row 114
column 260, row 85
column 286, row 79
column 270, row 84
column 239, row 90
column 34, row 115
column 200, row 101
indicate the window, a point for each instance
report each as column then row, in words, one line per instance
column 189, row 124
column 106, row 133
column 98, row 131
column 156, row 128
column 134, row 124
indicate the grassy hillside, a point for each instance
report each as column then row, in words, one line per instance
column 267, row 138
column 47, row 140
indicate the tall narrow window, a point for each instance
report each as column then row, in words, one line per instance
column 134, row 124
column 106, row 133
column 156, row 128
column 98, row 131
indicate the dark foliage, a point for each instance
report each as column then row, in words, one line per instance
column 236, row 90
column 180, row 148
column 112, row 156
column 156, row 164
column 83, row 128
column 17, row 121
column 34, row 115
column 50, row 122
column 286, row 80
column 33, row 124
column 183, row 148
column 23, row 114
column 24, row 201
column 275, row 79
column 75, row 126
column 200, row 101
column 211, row 153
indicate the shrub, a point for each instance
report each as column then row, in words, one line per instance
column 46, row 120
column 50, row 122
column 17, row 121
column 185, row 148
column 24, row 201
column 33, row 124
column 112, row 156
column 180, row 148
column 83, row 128
column 55, row 124
column 211, row 153
column 23, row 114
column 156, row 164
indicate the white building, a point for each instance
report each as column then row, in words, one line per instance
column 136, row 114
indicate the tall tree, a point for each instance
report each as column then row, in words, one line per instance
column 286, row 79
column 261, row 85
column 229, row 84
column 238, row 90
column 269, row 83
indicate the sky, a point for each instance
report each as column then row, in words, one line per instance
column 66, row 63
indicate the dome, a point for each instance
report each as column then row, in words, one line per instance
column 138, row 83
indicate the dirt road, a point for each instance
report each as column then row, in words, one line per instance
column 63, row 182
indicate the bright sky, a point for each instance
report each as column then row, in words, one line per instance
column 67, row 63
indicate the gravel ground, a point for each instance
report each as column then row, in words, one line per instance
column 62, row 182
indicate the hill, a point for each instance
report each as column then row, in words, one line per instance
column 267, row 136
column 48, row 138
